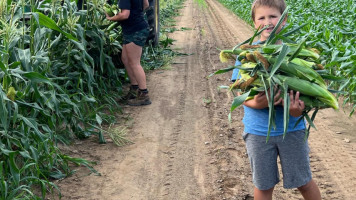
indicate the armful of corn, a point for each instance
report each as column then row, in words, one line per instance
column 111, row 10
column 288, row 66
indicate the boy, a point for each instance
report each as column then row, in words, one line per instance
column 293, row 150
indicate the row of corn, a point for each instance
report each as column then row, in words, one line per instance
column 298, row 69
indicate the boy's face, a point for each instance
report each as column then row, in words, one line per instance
column 265, row 15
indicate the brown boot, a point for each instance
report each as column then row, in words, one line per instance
column 141, row 99
column 131, row 94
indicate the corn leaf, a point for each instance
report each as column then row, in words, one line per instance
column 286, row 105
column 251, row 38
column 220, row 71
column 299, row 49
column 37, row 77
column 49, row 23
column 284, row 52
column 3, row 111
column 310, row 121
column 239, row 100
column 271, row 113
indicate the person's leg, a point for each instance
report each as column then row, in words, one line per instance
column 263, row 194
column 294, row 156
column 133, row 54
column 263, row 161
column 125, row 60
column 310, row 191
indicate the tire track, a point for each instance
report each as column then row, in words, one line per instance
column 228, row 149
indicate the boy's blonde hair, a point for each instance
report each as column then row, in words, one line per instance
column 279, row 4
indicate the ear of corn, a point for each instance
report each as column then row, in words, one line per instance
column 270, row 49
column 301, row 62
column 299, row 71
column 111, row 10
column 11, row 93
column 311, row 89
column 311, row 102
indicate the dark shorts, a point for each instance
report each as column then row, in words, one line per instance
column 293, row 152
column 138, row 37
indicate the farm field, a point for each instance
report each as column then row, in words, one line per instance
column 61, row 84
column 183, row 145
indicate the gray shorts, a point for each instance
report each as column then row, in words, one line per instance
column 293, row 152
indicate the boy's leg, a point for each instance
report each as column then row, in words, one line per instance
column 263, row 161
column 294, row 155
column 263, row 194
column 310, row 191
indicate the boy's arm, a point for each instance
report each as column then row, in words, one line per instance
column 260, row 100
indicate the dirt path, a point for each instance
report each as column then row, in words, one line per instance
column 184, row 148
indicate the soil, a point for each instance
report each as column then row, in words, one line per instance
column 183, row 146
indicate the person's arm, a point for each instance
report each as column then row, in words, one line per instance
column 146, row 4
column 260, row 100
column 121, row 16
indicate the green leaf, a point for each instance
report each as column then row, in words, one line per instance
column 24, row 56
column 271, row 110
column 299, row 48
column 37, row 77
column 310, row 121
column 49, row 23
column 286, row 106
column 2, row 67
column 251, row 38
column 98, row 119
column 220, row 71
column 3, row 111
column 283, row 53
column 239, row 100
column 295, row 29
column 15, row 172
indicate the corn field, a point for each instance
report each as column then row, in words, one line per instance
column 329, row 27
column 60, row 80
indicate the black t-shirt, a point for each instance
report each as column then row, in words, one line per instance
column 136, row 20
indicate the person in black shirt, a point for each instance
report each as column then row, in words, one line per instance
column 135, row 32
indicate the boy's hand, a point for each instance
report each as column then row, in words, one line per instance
column 260, row 100
column 296, row 105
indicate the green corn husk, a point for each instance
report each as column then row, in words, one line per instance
column 301, row 72
column 311, row 89
column 270, row 49
column 108, row 10
column 311, row 102
column 301, row 62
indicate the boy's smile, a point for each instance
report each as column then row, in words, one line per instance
column 265, row 15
